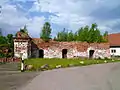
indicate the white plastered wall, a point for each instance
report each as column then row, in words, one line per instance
column 117, row 53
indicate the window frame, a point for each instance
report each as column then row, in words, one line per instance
column 113, row 50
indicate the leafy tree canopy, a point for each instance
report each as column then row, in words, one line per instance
column 46, row 32
column 84, row 34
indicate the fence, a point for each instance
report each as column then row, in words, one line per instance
column 12, row 59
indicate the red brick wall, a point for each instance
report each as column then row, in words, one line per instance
column 13, row 59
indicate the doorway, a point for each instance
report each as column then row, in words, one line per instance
column 91, row 53
column 41, row 53
column 64, row 53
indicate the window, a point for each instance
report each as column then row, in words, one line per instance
column 113, row 51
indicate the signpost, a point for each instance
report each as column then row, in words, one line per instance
column 22, row 62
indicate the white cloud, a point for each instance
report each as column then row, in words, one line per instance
column 12, row 19
column 71, row 14
column 72, row 21
column 35, row 25
column 23, row 0
column 3, row 2
column 11, row 16
column 76, row 13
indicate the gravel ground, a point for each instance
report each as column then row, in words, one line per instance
column 94, row 77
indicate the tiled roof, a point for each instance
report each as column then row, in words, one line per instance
column 100, row 45
column 114, row 39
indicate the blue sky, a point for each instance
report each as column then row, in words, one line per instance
column 71, row 14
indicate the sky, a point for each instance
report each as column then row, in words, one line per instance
column 69, row 14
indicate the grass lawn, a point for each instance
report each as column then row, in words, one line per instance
column 38, row 62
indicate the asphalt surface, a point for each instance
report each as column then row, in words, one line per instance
column 12, row 79
column 94, row 77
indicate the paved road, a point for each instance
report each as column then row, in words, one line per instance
column 12, row 79
column 95, row 77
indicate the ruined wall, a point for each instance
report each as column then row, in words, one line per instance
column 55, row 51
column 71, row 53
column 52, row 53
column 81, row 54
column 99, row 52
column 102, row 53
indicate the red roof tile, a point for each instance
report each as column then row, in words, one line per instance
column 114, row 39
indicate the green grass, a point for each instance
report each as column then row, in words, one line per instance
column 38, row 62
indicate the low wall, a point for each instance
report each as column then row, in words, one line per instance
column 13, row 59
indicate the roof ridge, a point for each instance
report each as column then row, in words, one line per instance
column 114, row 33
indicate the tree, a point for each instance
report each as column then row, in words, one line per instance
column 11, row 45
column 75, row 35
column 70, row 36
column 0, row 32
column 105, row 35
column 6, row 42
column 79, row 34
column 98, row 36
column 65, row 36
column 91, row 37
column 46, row 31
column 24, row 30
column 84, row 34
column 10, row 39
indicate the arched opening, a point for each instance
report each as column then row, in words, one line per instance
column 64, row 53
column 41, row 53
column 91, row 52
